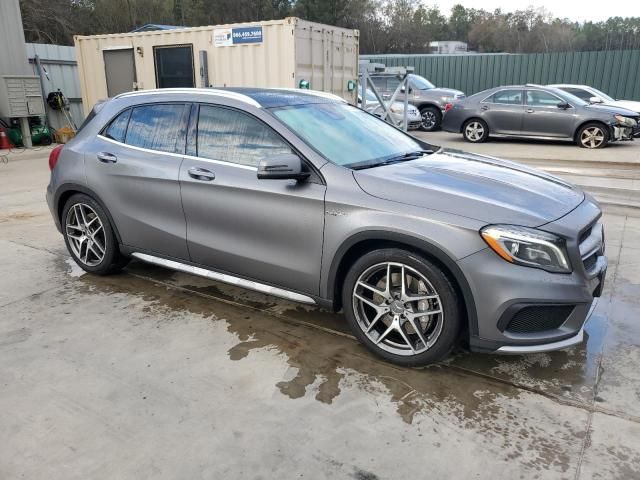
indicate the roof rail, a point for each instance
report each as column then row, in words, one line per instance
column 209, row 91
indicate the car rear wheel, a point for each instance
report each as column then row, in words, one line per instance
column 593, row 135
column 431, row 119
column 402, row 307
column 475, row 131
column 89, row 236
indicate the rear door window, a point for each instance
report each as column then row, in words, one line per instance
column 159, row 127
column 506, row 97
column 231, row 136
column 117, row 129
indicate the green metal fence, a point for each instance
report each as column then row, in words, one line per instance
column 616, row 72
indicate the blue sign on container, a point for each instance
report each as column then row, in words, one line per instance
column 246, row 35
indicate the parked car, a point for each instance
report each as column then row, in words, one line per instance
column 303, row 196
column 423, row 94
column 534, row 111
column 593, row 95
column 373, row 106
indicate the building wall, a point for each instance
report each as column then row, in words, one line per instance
column 62, row 69
column 616, row 72
column 13, row 58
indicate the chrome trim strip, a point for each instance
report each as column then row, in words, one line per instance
column 207, row 91
column 545, row 347
column 225, row 278
column 177, row 155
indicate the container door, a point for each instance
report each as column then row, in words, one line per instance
column 120, row 70
column 174, row 66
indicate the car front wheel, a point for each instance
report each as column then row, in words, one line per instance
column 402, row 307
column 593, row 135
column 431, row 119
column 89, row 236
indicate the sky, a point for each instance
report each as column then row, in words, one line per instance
column 577, row 10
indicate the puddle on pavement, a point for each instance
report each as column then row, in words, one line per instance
column 333, row 369
column 569, row 374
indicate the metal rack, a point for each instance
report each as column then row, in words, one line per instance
column 368, row 71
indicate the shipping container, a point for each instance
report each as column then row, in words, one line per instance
column 284, row 53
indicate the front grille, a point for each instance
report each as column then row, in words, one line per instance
column 539, row 319
column 591, row 245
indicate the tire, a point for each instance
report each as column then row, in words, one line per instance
column 89, row 236
column 475, row 130
column 593, row 135
column 387, row 323
column 431, row 119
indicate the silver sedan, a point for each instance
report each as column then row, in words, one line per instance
column 372, row 106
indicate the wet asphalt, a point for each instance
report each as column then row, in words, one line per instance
column 156, row 374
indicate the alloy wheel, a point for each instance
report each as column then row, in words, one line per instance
column 474, row 131
column 592, row 137
column 86, row 234
column 398, row 308
column 429, row 119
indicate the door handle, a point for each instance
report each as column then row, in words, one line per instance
column 106, row 157
column 484, row 107
column 201, row 174
column 530, row 111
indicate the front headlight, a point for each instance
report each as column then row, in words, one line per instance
column 528, row 247
column 625, row 121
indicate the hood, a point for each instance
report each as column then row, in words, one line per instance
column 627, row 105
column 474, row 186
column 442, row 92
column 612, row 109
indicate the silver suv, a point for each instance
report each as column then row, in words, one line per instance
column 430, row 100
column 302, row 196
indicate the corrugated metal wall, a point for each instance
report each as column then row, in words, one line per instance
column 62, row 69
column 616, row 72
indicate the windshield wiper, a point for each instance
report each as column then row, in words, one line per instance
column 396, row 159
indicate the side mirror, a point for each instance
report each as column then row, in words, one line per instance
column 284, row 166
column 564, row 105
column 596, row 100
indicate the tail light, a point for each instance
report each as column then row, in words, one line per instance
column 448, row 107
column 54, row 155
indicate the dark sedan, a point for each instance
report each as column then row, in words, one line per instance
column 533, row 111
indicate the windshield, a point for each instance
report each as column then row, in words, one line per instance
column 602, row 95
column 572, row 99
column 346, row 135
column 420, row 83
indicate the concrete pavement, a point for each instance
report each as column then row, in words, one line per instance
column 155, row 374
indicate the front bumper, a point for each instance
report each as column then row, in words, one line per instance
column 624, row 133
column 548, row 347
column 524, row 310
